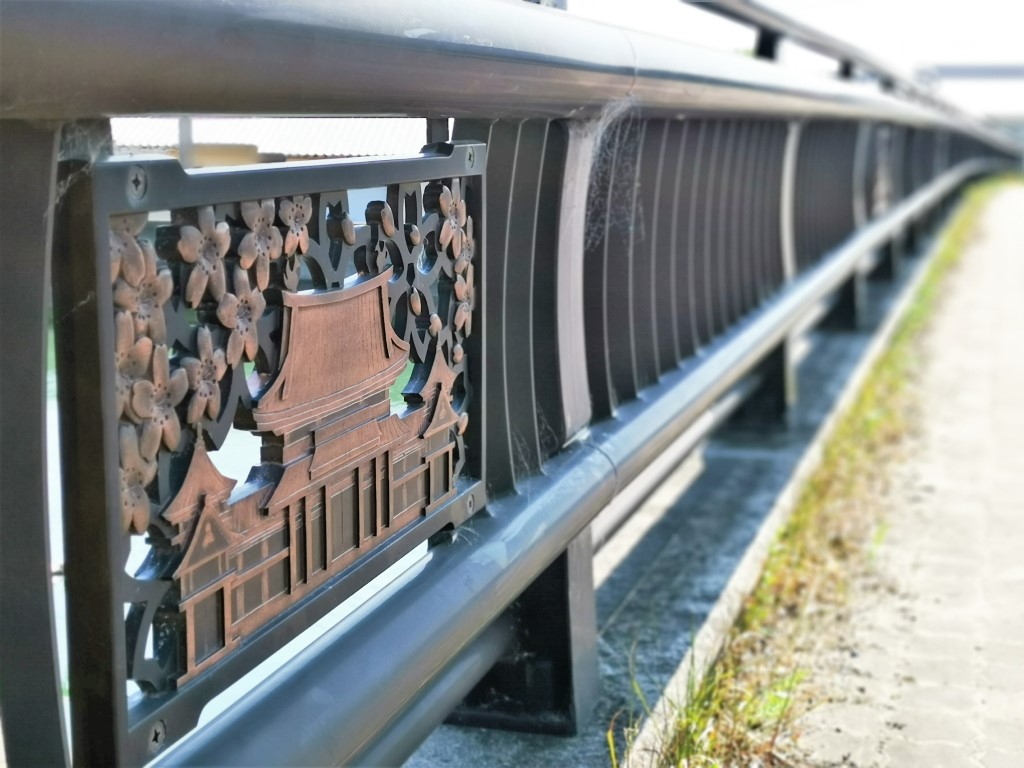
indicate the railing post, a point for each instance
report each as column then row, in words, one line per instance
column 30, row 696
column 770, row 403
column 93, row 539
column 767, row 46
column 890, row 265
column 549, row 681
column 845, row 314
column 850, row 299
column 437, row 130
column 777, row 392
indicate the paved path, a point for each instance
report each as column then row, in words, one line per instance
column 931, row 670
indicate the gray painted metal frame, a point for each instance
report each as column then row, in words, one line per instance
column 28, row 643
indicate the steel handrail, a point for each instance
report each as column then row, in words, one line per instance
column 459, row 58
column 763, row 17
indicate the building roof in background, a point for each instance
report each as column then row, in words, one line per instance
column 289, row 136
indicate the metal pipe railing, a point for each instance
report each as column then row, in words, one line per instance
column 469, row 58
column 782, row 26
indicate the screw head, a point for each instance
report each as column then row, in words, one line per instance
column 157, row 736
column 470, row 157
column 469, row 505
column 138, row 183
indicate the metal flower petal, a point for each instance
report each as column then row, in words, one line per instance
column 136, row 473
column 125, row 253
column 387, row 220
column 466, row 254
column 204, row 374
column 146, row 300
column 205, row 248
column 263, row 243
column 463, row 319
column 241, row 313
column 131, row 356
column 296, row 214
column 453, row 213
column 154, row 401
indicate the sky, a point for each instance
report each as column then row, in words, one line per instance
column 908, row 34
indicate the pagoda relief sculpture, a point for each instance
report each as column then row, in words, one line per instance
column 341, row 468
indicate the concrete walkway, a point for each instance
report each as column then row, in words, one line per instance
column 931, row 670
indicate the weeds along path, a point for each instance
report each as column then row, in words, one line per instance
column 887, row 627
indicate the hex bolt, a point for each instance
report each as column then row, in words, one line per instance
column 138, row 183
column 157, row 737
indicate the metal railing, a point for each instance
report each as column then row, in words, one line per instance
column 605, row 261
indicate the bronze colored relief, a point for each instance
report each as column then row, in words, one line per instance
column 285, row 318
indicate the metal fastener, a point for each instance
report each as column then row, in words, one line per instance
column 138, row 183
column 157, row 737
column 470, row 157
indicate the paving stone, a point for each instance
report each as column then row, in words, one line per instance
column 909, row 754
column 944, row 647
column 1007, row 705
column 1003, row 733
column 844, row 717
column 843, row 749
column 999, row 758
column 949, row 671
column 929, row 698
column 952, row 726
column 1002, row 653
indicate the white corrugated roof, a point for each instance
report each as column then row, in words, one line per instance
column 291, row 136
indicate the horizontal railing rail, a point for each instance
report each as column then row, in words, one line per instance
column 51, row 69
column 494, row 360
column 774, row 26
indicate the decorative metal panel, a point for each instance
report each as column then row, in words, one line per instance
column 256, row 299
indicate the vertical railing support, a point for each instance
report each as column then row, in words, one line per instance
column 777, row 392
column 549, row 681
column 437, row 130
column 846, row 311
column 572, row 351
column 94, row 541
column 770, row 403
column 890, row 265
column 767, row 45
column 30, row 696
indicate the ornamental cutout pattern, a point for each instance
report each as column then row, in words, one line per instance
column 286, row 318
